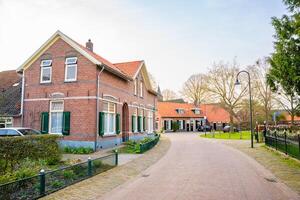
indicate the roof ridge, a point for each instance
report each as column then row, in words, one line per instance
column 128, row 62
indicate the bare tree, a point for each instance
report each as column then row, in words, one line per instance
column 169, row 94
column 195, row 89
column 261, row 90
column 221, row 85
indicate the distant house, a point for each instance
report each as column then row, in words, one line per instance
column 10, row 99
column 190, row 117
column 72, row 91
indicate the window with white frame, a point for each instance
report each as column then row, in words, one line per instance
column 169, row 124
column 150, row 122
column 142, row 119
column 56, row 116
column 135, row 120
column 180, row 124
column 135, row 87
column 109, row 110
column 71, row 69
column 141, row 89
column 46, row 71
column 197, row 112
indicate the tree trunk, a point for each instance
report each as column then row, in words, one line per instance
column 231, row 124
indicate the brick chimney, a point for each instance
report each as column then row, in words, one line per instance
column 89, row 45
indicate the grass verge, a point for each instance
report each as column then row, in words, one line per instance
column 243, row 135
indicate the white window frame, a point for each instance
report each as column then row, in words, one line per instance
column 55, row 111
column 67, row 66
column 197, row 111
column 43, row 67
column 136, row 121
column 107, row 112
column 180, row 124
column 141, row 89
column 150, row 122
column 169, row 125
column 141, row 114
column 135, row 87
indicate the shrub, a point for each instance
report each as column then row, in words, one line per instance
column 78, row 150
column 175, row 126
column 69, row 174
column 14, row 150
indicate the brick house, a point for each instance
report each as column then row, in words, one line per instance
column 72, row 91
column 10, row 99
column 190, row 117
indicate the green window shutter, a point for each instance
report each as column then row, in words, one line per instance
column 165, row 125
column 144, row 123
column 132, row 123
column 118, row 123
column 66, row 123
column 171, row 124
column 139, row 124
column 44, row 122
column 101, row 123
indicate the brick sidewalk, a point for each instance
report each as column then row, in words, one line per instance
column 277, row 163
column 100, row 184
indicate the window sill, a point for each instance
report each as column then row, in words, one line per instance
column 45, row 83
column 73, row 81
column 109, row 135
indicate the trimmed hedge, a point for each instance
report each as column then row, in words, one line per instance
column 13, row 150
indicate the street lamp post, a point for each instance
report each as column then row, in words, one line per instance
column 250, row 100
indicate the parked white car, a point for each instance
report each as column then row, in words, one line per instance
column 15, row 131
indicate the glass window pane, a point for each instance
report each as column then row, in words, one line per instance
column 46, row 74
column 111, row 123
column 57, row 106
column 111, row 107
column 46, row 63
column 105, row 123
column 56, row 122
column 105, row 106
column 71, row 72
column 72, row 60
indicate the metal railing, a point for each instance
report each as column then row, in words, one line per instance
column 51, row 181
column 281, row 141
column 146, row 146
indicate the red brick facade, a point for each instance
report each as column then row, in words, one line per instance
column 79, row 97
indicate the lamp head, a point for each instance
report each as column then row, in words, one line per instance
column 237, row 82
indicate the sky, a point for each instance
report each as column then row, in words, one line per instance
column 175, row 38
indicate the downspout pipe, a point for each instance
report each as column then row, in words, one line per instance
column 22, row 99
column 97, row 107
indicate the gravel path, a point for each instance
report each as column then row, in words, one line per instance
column 199, row 168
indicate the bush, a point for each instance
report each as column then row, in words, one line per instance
column 14, row 150
column 175, row 126
column 78, row 150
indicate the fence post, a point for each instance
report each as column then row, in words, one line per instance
column 117, row 157
column 285, row 142
column 299, row 144
column 42, row 182
column 89, row 166
column 275, row 139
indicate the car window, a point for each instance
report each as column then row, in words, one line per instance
column 3, row 132
column 28, row 132
column 11, row 132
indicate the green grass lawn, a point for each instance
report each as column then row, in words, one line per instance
column 244, row 135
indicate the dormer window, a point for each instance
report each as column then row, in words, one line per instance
column 71, row 69
column 197, row 111
column 180, row 111
column 46, row 71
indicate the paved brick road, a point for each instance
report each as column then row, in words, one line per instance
column 199, row 168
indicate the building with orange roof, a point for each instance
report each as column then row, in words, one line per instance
column 72, row 91
column 190, row 117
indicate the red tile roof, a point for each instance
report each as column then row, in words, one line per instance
column 8, row 78
column 213, row 112
column 129, row 68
